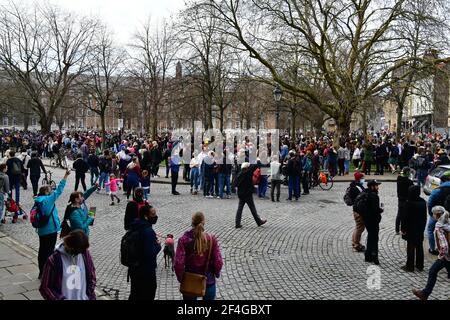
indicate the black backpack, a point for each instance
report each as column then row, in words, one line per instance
column 360, row 203
column 130, row 248
column 351, row 195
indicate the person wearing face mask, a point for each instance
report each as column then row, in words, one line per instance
column 356, row 187
column 143, row 277
column 48, row 234
column 403, row 184
column 372, row 218
column 133, row 207
column 69, row 273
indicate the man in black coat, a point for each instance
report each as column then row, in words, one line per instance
column 81, row 167
column 244, row 183
column 372, row 218
column 35, row 165
column 403, row 184
column 133, row 207
column 414, row 222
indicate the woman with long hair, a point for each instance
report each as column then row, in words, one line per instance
column 196, row 252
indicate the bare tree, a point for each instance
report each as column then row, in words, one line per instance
column 103, row 76
column 344, row 38
column 154, row 52
column 44, row 49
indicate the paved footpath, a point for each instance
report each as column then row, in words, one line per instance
column 303, row 252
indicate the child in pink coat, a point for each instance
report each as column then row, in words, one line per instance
column 113, row 182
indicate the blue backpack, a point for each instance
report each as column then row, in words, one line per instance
column 308, row 165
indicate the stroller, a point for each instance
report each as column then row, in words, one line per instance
column 12, row 207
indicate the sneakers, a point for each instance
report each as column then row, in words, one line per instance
column 195, row 193
column 218, row 197
column 25, row 217
column 360, row 248
column 118, row 201
column 376, row 261
column 239, row 226
column 176, row 193
column 210, row 197
column 14, row 220
column 228, row 197
column 419, row 294
column 112, row 203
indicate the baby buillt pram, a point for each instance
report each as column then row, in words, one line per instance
column 14, row 210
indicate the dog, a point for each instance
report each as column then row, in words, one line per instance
column 169, row 251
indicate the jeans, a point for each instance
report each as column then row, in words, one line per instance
column 262, row 187
column 195, row 178
column 430, row 231
column 224, row 180
column 208, row 184
column 251, row 204
column 146, row 193
column 46, row 248
column 347, row 166
column 14, row 183
column 35, row 184
column 94, row 175
column 432, row 275
column 210, row 293
column 104, row 178
column 276, row 184
column 2, row 205
column 421, row 176
column 294, row 187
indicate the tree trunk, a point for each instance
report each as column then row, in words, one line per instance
column 26, row 121
column 221, row 119
column 398, row 132
column 46, row 124
column 103, row 124
column 209, row 119
column 155, row 122
column 364, row 123
column 343, row 128
column 293, row 128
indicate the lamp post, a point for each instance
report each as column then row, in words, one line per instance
column 119, row 103
column 277, row 95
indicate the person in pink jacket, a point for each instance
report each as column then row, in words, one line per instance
column 113, row 182
column 192, row 255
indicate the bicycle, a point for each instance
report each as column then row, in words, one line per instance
column 59, row 161
column 324, row 181
column 48, row 181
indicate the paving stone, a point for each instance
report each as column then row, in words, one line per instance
column 15, row 297
column 22, row 269
column 33, row 295
column 12, row 290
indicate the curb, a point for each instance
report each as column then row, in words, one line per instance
column 32, row 255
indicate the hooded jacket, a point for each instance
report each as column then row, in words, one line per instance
column 79, row 217
column 52, row 284
column 403, row 184
column 4, row 183
column 414, row 218
column 150, row 247
column 53, row 225
column 244, row 182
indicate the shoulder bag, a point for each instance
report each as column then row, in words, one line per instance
column 194, row 284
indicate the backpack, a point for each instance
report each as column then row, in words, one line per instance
column 443, row 196
column 257, row 176
column 37, row 217
column 360, row 203
column 308, row 165
column 15, row 168
column 349, row 197
column 130, row 246
column 421, row 163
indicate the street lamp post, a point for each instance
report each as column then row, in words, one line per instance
column 119, row 103
column 277, row 95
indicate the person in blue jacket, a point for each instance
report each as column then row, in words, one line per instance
column 49, row 233
column 77, row 212
column 143, row 277
column 437, row 198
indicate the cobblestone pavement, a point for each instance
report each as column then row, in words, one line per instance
column 303, row 252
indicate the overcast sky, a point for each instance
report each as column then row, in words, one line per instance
column 123, row 16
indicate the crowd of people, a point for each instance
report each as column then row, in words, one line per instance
column 132, row 163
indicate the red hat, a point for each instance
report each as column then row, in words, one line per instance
column 358, row 176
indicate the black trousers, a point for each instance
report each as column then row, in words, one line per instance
column 142, row 287
column 372, row 240
column 400, row 213
column 251, row 204
column 80, row 177
column 380, row 166
column 35, row 184
column 368, row 167
column 414, row 250
column 186, row 172
column 174, row 177
column 47, row 245
column 276, row 184
column 305, row 182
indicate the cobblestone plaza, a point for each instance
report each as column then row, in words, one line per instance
column 303, row 252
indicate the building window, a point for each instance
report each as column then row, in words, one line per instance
column 5, row 121
column 14, row 121
column 33, row 122
column 80, row 123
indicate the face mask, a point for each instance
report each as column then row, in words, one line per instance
column 153, row 220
